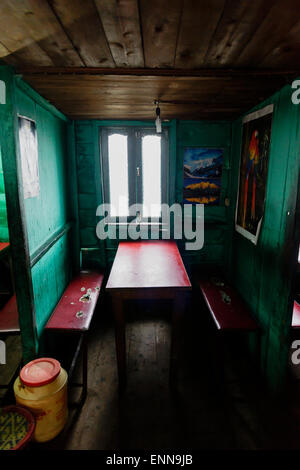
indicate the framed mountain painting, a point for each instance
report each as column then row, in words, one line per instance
column 202, row 175
column 254, row 163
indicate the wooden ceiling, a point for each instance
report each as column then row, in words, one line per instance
column 111, row 59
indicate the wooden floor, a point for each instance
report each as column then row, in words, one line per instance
column 149, row 416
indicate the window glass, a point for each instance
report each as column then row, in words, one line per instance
column 118, row 174
column 151, row 175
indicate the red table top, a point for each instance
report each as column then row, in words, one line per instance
column 296, row 315
column 75, row 309
column 148, row 264
column 9, row 318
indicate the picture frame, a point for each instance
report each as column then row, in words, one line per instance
column 253, row 172
column 203, row 167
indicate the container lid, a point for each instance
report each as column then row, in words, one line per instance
column 40, row 372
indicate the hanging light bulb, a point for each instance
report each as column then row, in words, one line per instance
column 157, row 120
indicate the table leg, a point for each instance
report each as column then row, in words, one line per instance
column 117, row 305
column 179, row 303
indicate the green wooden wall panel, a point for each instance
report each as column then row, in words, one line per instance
column 16, row 216
column 73, row 197
column 86, row 201
column 47, row 213
column 88, row 217
column 4, row 237
column 207, row 134
column 84, row 133
column 87, row 193
column 50, row 277
column 88, row 237
column 262, row 273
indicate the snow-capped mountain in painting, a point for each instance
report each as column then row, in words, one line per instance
column 202, row 175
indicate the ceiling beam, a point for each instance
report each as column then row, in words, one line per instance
column 157, row 72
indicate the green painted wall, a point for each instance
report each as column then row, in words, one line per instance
column 217, row 221
column 16, row 215
column 4, row 237
column 263, row 273
column 50, row 211
column 181, row 134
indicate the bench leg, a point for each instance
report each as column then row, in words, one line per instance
column 83, row 345
column 82, row 348
column 84, row 369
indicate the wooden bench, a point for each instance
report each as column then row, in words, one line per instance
column 226, row 307
column 228, row 310
column 73, row 314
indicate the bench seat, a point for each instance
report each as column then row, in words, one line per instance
column 75, row 309
column 228, row 310
column 9, row 318
column 73, row 315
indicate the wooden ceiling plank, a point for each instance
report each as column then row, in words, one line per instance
column 82, row 24
column 121, row 24
column 6, row 54
column 281, row 18
column 236, row 27
column 160, row 23
column 30, row 55
column 286, row 51
column 18, row 43
column 60, row 50
column 55, row 43
column 27, row 22
column 199, row 21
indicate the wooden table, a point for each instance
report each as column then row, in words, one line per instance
column 147, row 270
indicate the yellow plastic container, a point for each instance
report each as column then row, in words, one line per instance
column 42, row 388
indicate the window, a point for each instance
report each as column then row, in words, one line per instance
column 134, row 171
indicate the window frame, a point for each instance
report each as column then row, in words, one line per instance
column 134, row 152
